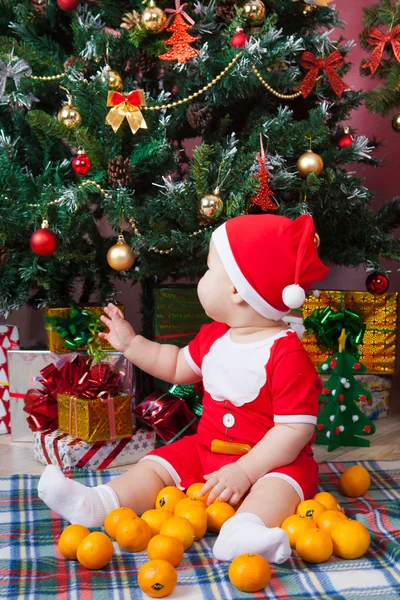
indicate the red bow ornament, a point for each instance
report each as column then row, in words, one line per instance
column 379, row 40
column 126, row 106
column 313, row 64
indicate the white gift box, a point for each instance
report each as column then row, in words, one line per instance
column 58, row 448
column 9, row 338
column 24, row 372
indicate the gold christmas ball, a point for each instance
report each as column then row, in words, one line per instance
column 121, row 257
column 112, row 79
column 153, row 19
column 309, row 162
column 254, row 11
column 68, row 115
column 211, row 207
column 396, row 122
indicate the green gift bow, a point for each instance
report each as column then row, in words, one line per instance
column 188, row 393
column 80, row 328
column 328, row 324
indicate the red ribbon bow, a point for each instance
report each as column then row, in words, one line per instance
column 379, row 39
column 178, row 10
column 329, row 65
column 135, row 98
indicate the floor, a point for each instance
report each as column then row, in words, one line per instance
column 17, row 457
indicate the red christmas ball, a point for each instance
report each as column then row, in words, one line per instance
column 68, row 5
column 240, row 39
column 82, row 164
column 345, row 141
column 377, row 283
column 43, row 242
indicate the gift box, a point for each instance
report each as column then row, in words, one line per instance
column 60, row 449
column 69, row 328
column 380, row 387
column 9, row 338
column 168, row 415
column 377, row 313
column 24, row 369
column 178, row 314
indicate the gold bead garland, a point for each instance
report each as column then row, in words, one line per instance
column 271, row 89
column 47, row 77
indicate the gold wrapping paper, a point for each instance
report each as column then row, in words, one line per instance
column 379, row 313
column 93, row 418
column 55, row 343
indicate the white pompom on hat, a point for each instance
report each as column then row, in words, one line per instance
column 272, row 261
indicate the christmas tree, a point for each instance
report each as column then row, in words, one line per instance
column 93, row 128
column 341, row 421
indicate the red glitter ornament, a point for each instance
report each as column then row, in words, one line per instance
column 68, row 5
column 180, row 40
column 81, row 163
column 346, row 140
column 43, row 242
column 377, row 283
column 240, row 39
column 263, row 198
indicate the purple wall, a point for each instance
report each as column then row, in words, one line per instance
column 381, row 181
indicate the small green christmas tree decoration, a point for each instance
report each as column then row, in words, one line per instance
column 341, row 421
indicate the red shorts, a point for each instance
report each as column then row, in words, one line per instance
column 188, row 460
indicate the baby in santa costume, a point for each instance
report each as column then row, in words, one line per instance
column 260, row 403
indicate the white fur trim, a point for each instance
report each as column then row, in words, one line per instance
column 295, row 419
column 190, row 361
column 287, row 478
column 247, row 292
column 293, row 296
column 173, row 472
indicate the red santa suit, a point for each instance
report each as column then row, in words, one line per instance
column 249, row 388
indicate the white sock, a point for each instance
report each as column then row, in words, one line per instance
column 75, row 502
column 246, row 532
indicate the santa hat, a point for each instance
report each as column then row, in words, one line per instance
column 271, row 260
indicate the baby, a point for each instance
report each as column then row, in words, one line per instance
column 260, row 403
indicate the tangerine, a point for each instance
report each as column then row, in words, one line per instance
column 196, row 515
column 249, row 572
column 328, row 500
column 329, row 519
column 295, row 524
column 155, row 517
column 350, row 539
column 310, row 508
column 169, row 497
column 314, row 546
column 193, row 491
column 354, row 481
column 157, row 578
column 167, row 548
column 133, row 535
column 115, row 517
column 70, row 539
column 217, row 514
column 95, row 551
column 190, row 502
column 179, row 528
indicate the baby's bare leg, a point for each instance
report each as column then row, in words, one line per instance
column 89, row 506
column 256, row 525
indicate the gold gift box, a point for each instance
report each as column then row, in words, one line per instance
column 92, row 417
column 55, row 342
column 379, row 313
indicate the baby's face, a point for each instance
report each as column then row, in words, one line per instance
column 215, row 289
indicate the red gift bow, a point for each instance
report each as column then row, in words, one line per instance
column 76, row 378
column 136, row 98
column 379, row 39
column 126, row 107
column 329, row 65
column 178, row 10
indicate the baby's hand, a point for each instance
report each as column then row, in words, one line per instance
column 121, row 333
column 228, row 484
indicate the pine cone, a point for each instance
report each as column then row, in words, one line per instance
column 71, row 61
column 119, row 171
column 225, row 10
column 199, row 116
column 39, row 5
column 144, row 62
column 4, row 256
column 130, row 20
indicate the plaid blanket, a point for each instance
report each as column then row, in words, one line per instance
column 31, row 567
